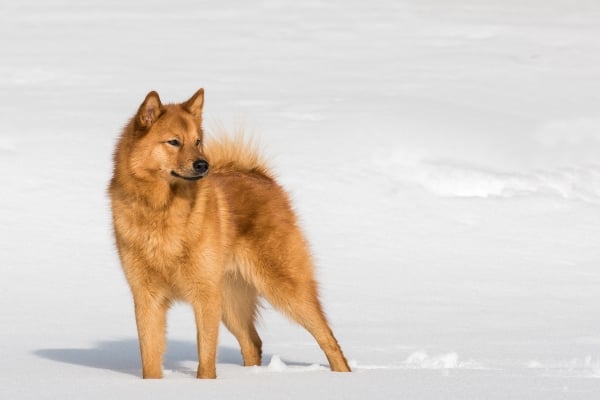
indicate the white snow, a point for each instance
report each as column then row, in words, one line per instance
column 420, row 359
column 586, row 367
column 443, row 157
column 278, row 365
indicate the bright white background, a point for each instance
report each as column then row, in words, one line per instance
column 443, row 157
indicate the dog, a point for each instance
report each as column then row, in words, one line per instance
column 209, row 225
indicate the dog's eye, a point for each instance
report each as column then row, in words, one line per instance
column 174, row 142
column 198, row 142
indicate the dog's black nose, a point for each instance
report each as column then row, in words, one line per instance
column 200, row 167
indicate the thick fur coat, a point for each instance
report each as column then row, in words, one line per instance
column 208, row 225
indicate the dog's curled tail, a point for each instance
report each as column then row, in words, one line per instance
column 236, row 153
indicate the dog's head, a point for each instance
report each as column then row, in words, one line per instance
column 168, row 140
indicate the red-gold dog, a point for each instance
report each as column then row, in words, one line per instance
column 208, row 225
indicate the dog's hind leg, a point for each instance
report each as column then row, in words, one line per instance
column 298, row 299
column 239, row 313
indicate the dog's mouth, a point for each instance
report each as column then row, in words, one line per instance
column 187, row 177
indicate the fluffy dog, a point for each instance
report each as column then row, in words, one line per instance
column 207, row 225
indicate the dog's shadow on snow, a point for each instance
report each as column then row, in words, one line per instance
column 124, row 356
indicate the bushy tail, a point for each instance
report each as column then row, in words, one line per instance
column 234, row 153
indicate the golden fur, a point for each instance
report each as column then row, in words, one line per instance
column 208, row 225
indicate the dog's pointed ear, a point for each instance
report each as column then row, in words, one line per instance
column 194, row 104
column 149, row 111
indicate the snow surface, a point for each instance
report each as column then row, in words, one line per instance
column 443, row 157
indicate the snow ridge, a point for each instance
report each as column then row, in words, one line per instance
column 586, row 367
column 421, row 360
column 447, row 178
column 276, row 364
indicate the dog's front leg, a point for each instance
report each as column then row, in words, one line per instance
column 150, row 316
column 207, row 310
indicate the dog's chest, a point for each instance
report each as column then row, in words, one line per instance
column 159, row 237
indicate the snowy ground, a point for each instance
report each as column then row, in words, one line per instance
column 443, row 157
